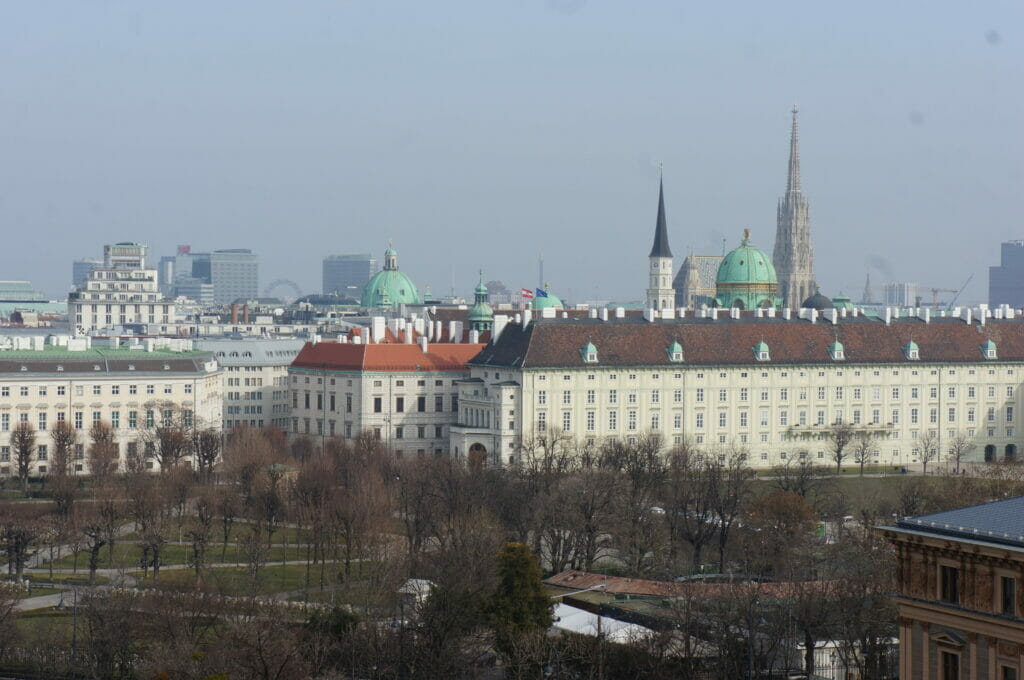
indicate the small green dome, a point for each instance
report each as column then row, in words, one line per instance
column 911, row 350
column 837, row 351
column 675, row 351
column 549, row 302
column 481, row 314
column 390, row 287
column 843, row 301
column 988, row 349
column 761, row 351
column 589, row 353
column 746, row 264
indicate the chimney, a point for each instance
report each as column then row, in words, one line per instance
column 714, row 313
column 423, row 344
column 500, row 321
column 604, row 314
column 474, row 337
column 377, row 330
column 927, row 315
column 245, row 314
column 814, row 316
column 888, row 316
column 620, row 313
column 734, row 312
column 835, row 316
column 786, row 313
column 357, row 339
column 668, row 313
column 565, row 315
column 648, row 314
column 342, row 339
column 527, row 317
column 234, row 314
column 771, row 312
column 681, row 312
column 408, row 335
column 518, row 318
column 592, row 313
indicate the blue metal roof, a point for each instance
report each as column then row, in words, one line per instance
column 998, row 522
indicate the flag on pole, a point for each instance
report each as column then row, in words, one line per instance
column 527, row 293
column 541, row 293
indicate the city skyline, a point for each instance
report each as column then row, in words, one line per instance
column 542, row 126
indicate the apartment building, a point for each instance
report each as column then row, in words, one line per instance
column 123, row 291
column 131, row 387
column 771, row 384
column 255, row 378
column 960, row 594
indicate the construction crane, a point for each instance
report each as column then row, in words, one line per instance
column 935, row 295
column 964, row 285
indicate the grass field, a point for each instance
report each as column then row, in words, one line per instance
column 128, row 555
column 274, row 578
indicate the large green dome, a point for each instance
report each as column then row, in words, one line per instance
column 746, row 278
column 746, row 264
column 390, row 287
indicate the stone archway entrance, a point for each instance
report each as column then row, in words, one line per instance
column 990, row 453
column 1011, row 451
column 477, row 454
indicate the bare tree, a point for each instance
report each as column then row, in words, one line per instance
column 169, row 438
column 62, row 483
column 201, row 532
column 733, row 491
column 840, row 434
column 102, row 451
column 21, row 527
column 23, row 442
column 205, row 449
column 862, row 449
column 799, row 476
column 960, row 447
column 929, row 443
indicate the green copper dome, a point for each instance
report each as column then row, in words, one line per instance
column 746, row 278
column 481, row 315
column 551, row 301
column 746, row 264
column 390, row 287
column 842, row 301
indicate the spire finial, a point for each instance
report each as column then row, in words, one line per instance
column 793, row 178
column 661, row 247
column 746, row 235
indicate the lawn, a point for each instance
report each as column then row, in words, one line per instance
column 66, row 579
column 240, row 529
column 274, row 578
column 127, row 555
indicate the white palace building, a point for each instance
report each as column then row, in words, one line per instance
column 770, row 383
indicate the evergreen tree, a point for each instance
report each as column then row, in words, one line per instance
column 520, row 605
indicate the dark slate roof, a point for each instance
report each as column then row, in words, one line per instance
column 818, row 301
column 102, row 365
column 660, row 247
column 550, row 343
column 997, row 522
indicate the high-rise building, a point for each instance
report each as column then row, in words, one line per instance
column 1006, row 281
column 234, row 274
column 794, row 256
column 80, row 269
column 122, row 291
column 347, row 274
column 901, row 294
column 660, row 294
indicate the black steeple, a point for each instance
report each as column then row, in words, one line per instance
column 660, row 247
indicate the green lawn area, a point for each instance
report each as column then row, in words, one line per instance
column 81, row 579
column 128, row 554
column 239, row 530
column 275, row 578
column 46, row 624
column 40, row 591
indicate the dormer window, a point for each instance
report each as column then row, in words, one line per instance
column 60, row 368
column 988, row 350
column 761, row 351
column 911, row 351
column 589, row 353
column 836, row 351
column 675, row 353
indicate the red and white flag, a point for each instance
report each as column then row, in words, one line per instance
column 527, row 293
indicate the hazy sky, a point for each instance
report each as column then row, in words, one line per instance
column 479, row 133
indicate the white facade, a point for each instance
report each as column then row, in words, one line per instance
column 129, row 389
column 255, row 379
column 123, row 291
column 776, row 412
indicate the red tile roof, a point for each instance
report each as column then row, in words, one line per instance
column 335, row 356
column 556, row 343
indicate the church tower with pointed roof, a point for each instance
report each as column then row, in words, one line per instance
column 660, row 294
column 793, row 256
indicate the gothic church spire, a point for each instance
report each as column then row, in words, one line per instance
column 793, row 178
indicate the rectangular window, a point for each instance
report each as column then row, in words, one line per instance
column 591, row 396
column 133, row 420
column 700, row 421
column 744, row 394
column 613, row 396
column 950, row 666
column 591, row 421
column 655, row 421
column 613, row 420
column 677, row 420
column 421, row 404
column 5, row 422
column 764, row 417
column 421, row 431
column 700, row 395
column 566, row 421
column 438, row 403
column 1009, row 414
column 378, row 404
column 722, row 419
column 41, row 452
column 949, row 584
column 783, row 418
column 895, row 393
column 723, row 395
column 399, row 404
column 632, row 420
column 115, row 419
column 677, row 396
column 821, row 394
column 42, row 421
column 542, row 397
column 542, row 421
column 399, row 432
column 1008, row 595
column 743, row 418
column 655, row 396
column 567, row 397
